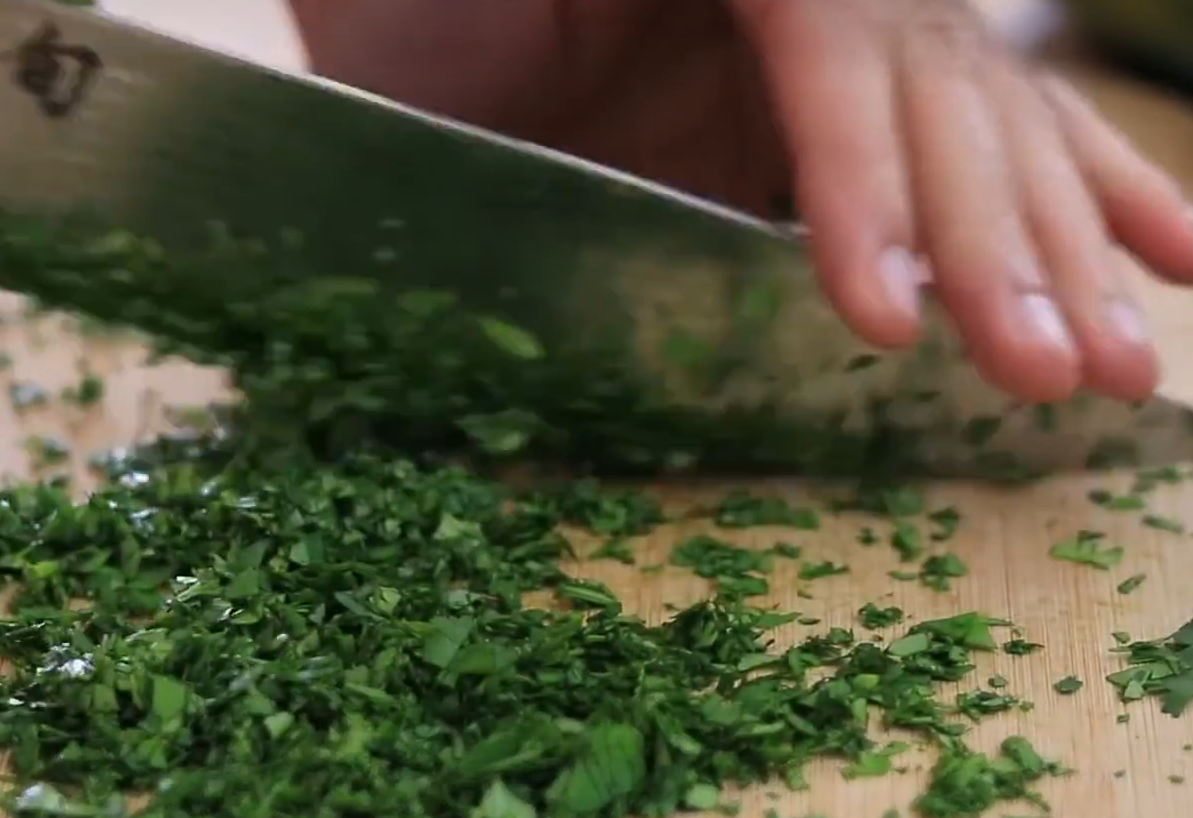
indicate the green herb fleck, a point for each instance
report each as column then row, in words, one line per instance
column 1087, row 548
column 1131, row 583
column 1108, row 500
column 937, row 571
column 742, row 510
column 906, row 541
column 1020, row 647
column 819, row 570
column 736, row 570
column 1162, row 523
column 87, row 392
column 1068, row 685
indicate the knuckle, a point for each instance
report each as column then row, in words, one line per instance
column 948, row 32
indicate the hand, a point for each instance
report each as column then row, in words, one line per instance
column 918, row 141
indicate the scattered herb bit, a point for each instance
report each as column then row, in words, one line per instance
column 1148, row 479
column 1176, row 779
column 1068, row 685
column 1131, row 583
column 1020, row 647
column 1114, row 502
column 873, row 617
column 867, row 536
column 1162, row 667
column 906, row 541
column 742, row 510
column 971, row 630
column 739, row 587
column 614, row 514
column 937, row 571
column 1162, row 523
column 976, row 704
column 616, row 550
column 736, row 570
column 587, row 594
column 87, row 392
column 874, row 763
column 947, row 520
column 819, row 570
column 901, row 501
column 1087, row 548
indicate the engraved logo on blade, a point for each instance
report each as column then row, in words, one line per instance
column 56, row 73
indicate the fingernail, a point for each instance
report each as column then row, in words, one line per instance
column 901, row 275
column 1043, row 315
column 1127, row 321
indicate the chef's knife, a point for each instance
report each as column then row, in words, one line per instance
column 153, row 135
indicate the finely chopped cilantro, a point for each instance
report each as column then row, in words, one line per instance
column 329, row 639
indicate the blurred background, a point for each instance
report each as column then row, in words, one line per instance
column 1152, row 39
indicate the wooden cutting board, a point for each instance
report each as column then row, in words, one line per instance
column 1123, row 769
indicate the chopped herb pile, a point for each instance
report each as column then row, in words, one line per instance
column 325, row 639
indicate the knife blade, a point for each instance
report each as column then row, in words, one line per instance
column 713, row 316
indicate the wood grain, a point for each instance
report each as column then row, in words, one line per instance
column 1004, row 539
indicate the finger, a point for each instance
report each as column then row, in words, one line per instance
column 829, row 74
column 1144, row 208
column 985, row 265
column 1067, row 227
